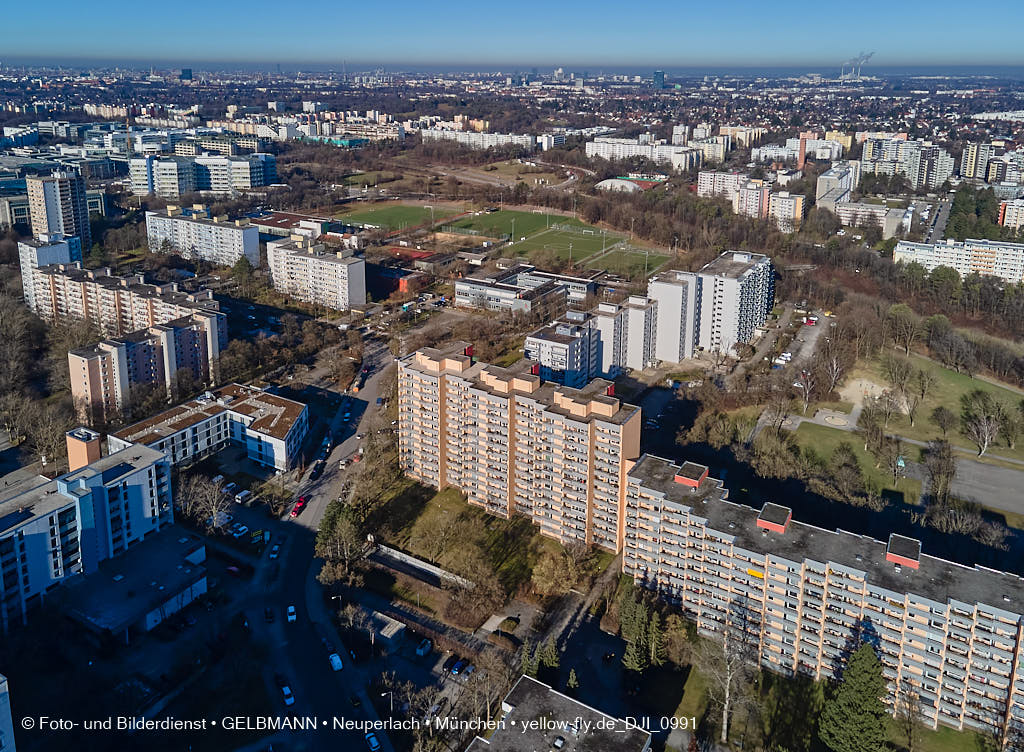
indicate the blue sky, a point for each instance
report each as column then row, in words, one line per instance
column 597, row 34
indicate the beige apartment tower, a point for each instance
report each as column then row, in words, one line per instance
column 515, row 444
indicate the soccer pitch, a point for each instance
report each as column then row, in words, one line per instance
column 398, row 216
column 628, row 264
column 564, row 243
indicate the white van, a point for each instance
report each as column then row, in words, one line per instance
column 243, row 497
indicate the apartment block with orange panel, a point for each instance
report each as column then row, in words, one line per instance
column 806, row 596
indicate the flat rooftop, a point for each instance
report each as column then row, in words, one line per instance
column 127, row 587
column 936, row 579
column 532, row 708
column 285, row 220
column 38, row 496
column 733, row 264
column 273, row 415
column 595, row 391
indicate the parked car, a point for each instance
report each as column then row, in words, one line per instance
column 231, row 489
column 239, row 532
column 318, row 470
column 336, row 664
column 299, row 506
column 457, row 668
column 243, row 497
column 371, row 741
column 217, row 480
column 275, row 551
column 447, row 666
column 290, row 613
column 468, row 670
column 286, row 691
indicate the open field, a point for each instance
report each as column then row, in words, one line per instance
column 398, row 216
column 499, row 223
column 628, row 263
column 515, row 170
column 949, row 387
column 823, row 441
column 563, row 243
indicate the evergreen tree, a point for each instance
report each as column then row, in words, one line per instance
column 528, row 660
column 853, row 720
column 573, row 682
column 548, row 654
column 655, row 640
column 634, row 658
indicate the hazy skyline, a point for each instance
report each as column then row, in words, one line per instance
column 573, row 33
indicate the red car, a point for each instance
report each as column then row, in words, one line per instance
column 299, row 506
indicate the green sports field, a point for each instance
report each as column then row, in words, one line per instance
column 561, row 241
column 628, row 263
column 397, row 216
column 498, row 224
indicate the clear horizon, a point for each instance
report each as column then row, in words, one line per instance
column 531, row 34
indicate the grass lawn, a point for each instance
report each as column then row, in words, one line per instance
column 823, row 440
column 496, row 224
column 561, row 242
column 949, row 387
column 370, row 178
column 395, row 216
column 516, row 169
column 943, row 739
column 695, row 696
column 629, row 264
column 511, row 546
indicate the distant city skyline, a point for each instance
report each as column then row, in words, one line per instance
column 573, row 33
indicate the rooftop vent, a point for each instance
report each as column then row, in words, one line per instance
column 774, row 517
column 903, row 550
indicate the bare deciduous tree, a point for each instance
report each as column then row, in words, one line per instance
column 729, row 665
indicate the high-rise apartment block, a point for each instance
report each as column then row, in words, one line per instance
column 989, row 258
column 676, row 294
column 837, row 184
column 55, row 529
column 116, row 305
column 515, row 444
column 57, row 206
column 44, row 250
column 922, row 163
column 567, row 351
column 641, row 331
column 724, row 184
column 171, row 176
column 743, row 136
column 1011, row 214
column 737, row 291
column 751, row 199
column 609, row 321
column 194, row 236
column 106, row 377
column 307, row 271
column 974, row 160
column 715, row 309
column 787, row 210
column 804, row 597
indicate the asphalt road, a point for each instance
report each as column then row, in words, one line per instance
column 990, row 485
column 296, row 650
column 938, row 227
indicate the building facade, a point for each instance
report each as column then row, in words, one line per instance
column 216, row 240
column 44, row 250
column 56, row 529
column 270, row 427
column 1011, row 214
column 57, row 206
column 307, row 271
column 106, row 377
column 567, row 351
column 116, row 305
column 989, row 258
column 802, row 598
column 724, row 184
column 787, row 210
column 517, row 445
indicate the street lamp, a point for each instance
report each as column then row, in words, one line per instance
column 391, row 696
